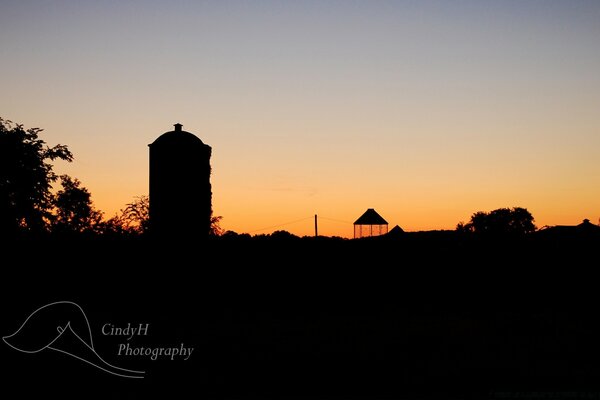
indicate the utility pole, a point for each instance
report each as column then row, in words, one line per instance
column 316, row 229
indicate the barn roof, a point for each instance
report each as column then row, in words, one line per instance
column 370, row 217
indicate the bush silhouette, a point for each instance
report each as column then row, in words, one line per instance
column 502, row 221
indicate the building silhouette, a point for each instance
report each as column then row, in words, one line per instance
column 180, row 190
column 370, row 224
column 396, row 231
column 584, row 230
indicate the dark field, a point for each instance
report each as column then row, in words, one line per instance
column 424, row 315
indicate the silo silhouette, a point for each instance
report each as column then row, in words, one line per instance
column 180, row 190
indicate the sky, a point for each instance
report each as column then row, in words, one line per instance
column 427, row 111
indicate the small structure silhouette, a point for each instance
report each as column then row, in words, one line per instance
column 180, row 190
column 370, row 224
column 584, row 230
column 396, row 231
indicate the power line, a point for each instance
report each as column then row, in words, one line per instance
column 284, row 224
column 299, row 220
column 335, row 220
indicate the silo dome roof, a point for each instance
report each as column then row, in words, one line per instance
column 178, row 136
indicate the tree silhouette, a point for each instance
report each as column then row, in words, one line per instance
column 502, row 221
column 133, row 220
column 26, row 177
column 136, row 214
column 215, row 226
column 74, row 211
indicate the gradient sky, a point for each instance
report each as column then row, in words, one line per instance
column 426, row 111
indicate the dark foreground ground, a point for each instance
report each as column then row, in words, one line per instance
column 419, row 316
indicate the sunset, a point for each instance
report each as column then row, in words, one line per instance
column 426, row 111
column 296, row 200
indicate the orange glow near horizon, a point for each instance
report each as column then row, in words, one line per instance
column 428, row 189
column 416, row 206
